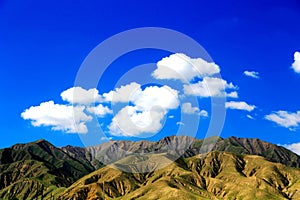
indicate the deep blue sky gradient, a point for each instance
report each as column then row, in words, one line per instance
column 43, row 43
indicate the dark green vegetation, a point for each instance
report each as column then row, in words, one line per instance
column 40, row 170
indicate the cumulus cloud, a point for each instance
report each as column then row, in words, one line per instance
column 188, row 109
column 285, row 119
column 60, row 117
column 122, row 94
column 210, row 87
column 78, row 95
column 163, row 97
column 181, row 67
column 252, row 74
column 295, row 147
column 239, row 105
column 145, row 115
column 131, row 122
column 99, row 110
column 296, row 64
column 233, row 94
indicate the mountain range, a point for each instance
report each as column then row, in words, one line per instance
column 174, row 167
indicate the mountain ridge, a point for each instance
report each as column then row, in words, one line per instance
column 39, row 169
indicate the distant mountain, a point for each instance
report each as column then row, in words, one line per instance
column 218, row 175
column 39, row 169
column 184, row 146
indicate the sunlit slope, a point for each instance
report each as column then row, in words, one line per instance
column 218, row 175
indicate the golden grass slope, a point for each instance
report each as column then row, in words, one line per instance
column 217, row 175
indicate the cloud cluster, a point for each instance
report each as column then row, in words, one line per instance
column 285, row 119
column 181, row 67
column 145, row 116
column 252, row 74
column 60, row 117
column 296, row 64
column 239, row 105
column 65, row 117
column 145, row 108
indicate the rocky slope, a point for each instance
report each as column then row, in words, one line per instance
column 217, row 175
column 184, row 146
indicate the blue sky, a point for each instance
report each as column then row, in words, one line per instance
column 43, row 44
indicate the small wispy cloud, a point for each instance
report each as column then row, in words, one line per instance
column 252, row 74
column 249, row 117
column 180, row 123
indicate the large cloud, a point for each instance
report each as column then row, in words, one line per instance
column 239, row 105
column 210, row 87
column 78, row 95
column 252, row 74
column 163, row 97
column 285, row 119
column 122, row 94
column 181, row 67
column 296, row 64
column 145, row 115
column 133, row 122
column 60, row 117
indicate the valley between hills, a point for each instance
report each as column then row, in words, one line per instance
column 233, row 168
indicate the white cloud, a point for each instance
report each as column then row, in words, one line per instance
column 188, row 109
column 233, row 94
column 99, row 110
column 295, row 147
column 60, row 117
column 149, row 108
column 164, row 97
column 132, row 122
column 203, row 113
column 78, row 95
column 210, row 87
column 180, row 123
column 249, row 117
column 239, row 105
column 252, row 74
column 296, row 64
column 122, row 94
column 285, row 119
column 181, row 67
column 105, row 139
